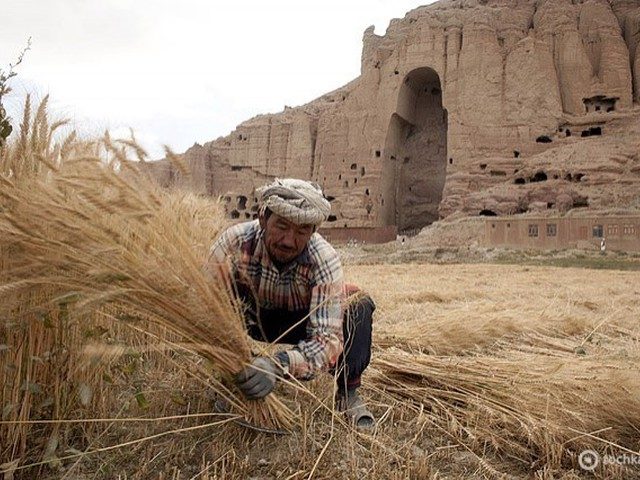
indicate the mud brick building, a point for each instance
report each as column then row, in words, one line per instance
column 620, row 232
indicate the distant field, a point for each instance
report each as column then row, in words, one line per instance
column 450, row 299
column 418, row 251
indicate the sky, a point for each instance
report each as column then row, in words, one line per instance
column 181, row 72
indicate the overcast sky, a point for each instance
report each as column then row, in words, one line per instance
column 184, row 71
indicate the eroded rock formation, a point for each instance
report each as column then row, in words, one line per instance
column 492, row 106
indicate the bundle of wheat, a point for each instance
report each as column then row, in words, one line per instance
column 84, row 228
column 539, row 407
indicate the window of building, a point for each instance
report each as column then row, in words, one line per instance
column 597, row 231
column 533, row 230
column 612, row 230
column 552, row 229
column 629, row 229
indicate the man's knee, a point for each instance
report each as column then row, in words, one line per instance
column 367, row 304
column 360, row 309
column 357, row 322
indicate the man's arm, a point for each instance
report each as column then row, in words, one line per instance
column 324, row 344
column 223, row 248
column 225, row 251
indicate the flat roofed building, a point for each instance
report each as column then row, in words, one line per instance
column 620, row 232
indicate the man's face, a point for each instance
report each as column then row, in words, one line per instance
column 283, row 239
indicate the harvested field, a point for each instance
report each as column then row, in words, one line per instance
column 454, row 309
column 561, row 346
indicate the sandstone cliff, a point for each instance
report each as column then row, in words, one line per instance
column 463, row 106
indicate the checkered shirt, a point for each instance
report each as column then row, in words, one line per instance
column 313, row 281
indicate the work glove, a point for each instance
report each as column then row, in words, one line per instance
column 258, row 379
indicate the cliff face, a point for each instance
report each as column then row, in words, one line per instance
column 493, row 106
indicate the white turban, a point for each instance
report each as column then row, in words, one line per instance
column 298, row 201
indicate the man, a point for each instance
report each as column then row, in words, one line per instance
column 291, row 282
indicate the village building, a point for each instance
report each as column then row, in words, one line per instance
column 620, row 233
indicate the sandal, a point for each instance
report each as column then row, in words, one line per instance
column 356, row 411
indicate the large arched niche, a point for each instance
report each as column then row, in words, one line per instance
column 415, row 154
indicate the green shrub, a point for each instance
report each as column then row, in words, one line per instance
column 5, row 76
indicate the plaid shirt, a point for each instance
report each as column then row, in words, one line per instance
column 313, row 281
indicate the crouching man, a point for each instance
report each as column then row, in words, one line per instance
column 291, row 282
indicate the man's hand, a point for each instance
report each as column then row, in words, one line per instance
column 258, row 379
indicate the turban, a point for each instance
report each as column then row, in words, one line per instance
column 298, row 201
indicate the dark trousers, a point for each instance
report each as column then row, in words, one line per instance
column 270, row 325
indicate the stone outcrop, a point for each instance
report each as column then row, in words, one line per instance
column 462, row 107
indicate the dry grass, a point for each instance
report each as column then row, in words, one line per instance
column 475, row 306
column 535, row 364
column 107, row 347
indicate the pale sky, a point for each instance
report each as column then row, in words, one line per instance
column 184, row 71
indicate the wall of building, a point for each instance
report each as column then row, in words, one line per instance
column 360, row 234
column 620, row 233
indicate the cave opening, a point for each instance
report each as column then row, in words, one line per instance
column 600, row 103
column 488, row 213
column 539, row 177
column 581, row 202
column 417, row 133
column 591, row 131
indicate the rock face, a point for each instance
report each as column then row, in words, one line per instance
column 470, row 106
